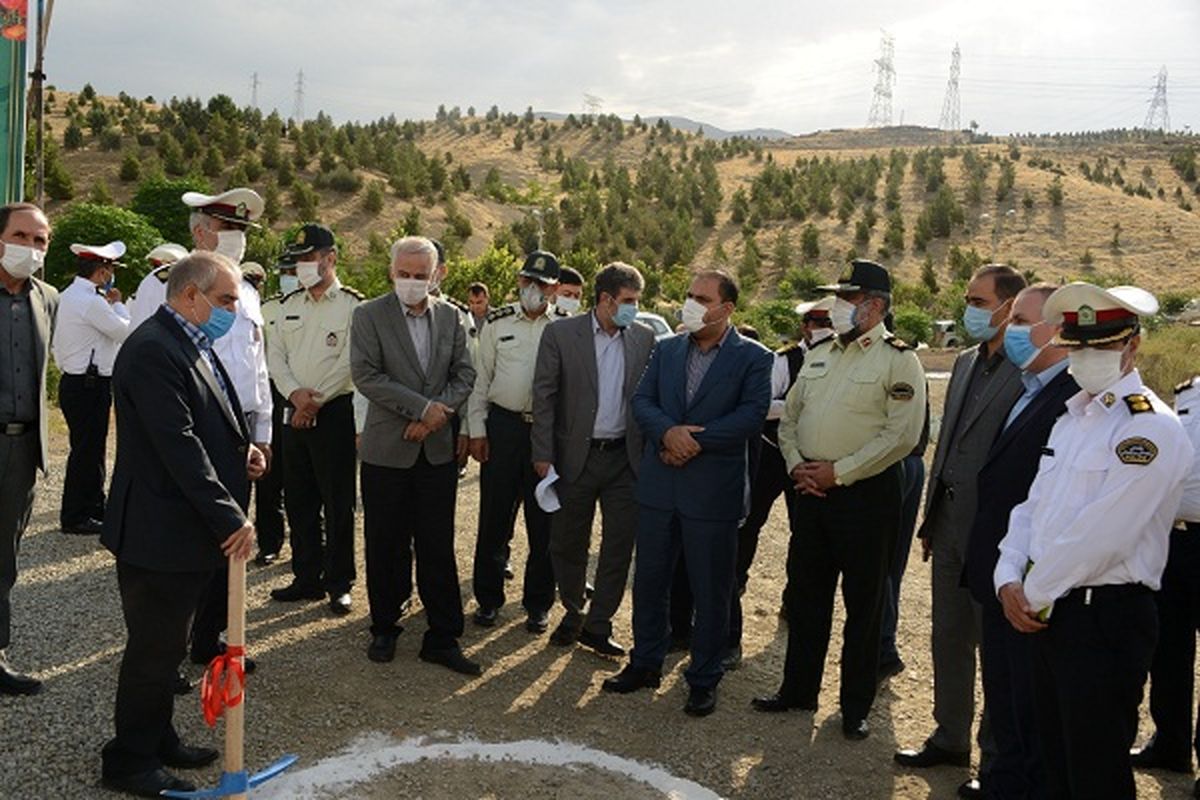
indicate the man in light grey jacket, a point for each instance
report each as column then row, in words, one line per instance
column 408, row 357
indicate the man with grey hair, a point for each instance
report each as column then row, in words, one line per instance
column 586, row 372
column 408, row 357
column 179, row 490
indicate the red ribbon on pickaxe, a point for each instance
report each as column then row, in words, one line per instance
column 223, row 684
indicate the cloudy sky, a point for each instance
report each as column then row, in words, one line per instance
column 798, row 65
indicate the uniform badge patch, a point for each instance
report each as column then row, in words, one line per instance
column 901, row 391
column 331, row 340
column 1108, row 399
column 1137, row 450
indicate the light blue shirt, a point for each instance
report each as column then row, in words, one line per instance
column 610, row 382
column 1034, row 382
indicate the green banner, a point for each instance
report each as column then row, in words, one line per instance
column 13, row 29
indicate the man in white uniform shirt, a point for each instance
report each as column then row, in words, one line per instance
column 1085, row 551
column 151, row 292
column 92, row 323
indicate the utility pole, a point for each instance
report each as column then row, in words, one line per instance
column 885, row 71
column 38, row 76
column 298, row 105
column 1157, row 116
column 951, row 106
column 592, row 104
column 254, row 90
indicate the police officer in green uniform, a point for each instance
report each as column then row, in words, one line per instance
column 500, row 417
column 855, row 411
column 309, row 358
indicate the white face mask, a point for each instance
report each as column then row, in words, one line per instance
column 232, row 244
column 568, row 304
column 1095, row 370
column 692, row 315
column 308, row 273
column 842, row 316
column 21, row 261
column 411, row 291
column 532, row 297
column 288, row 283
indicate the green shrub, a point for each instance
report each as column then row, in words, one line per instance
column 912, row 324
column 97, row 224
column 158, row 200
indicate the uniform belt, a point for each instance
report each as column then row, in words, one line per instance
column 1089, row 595
column 524, row 416
column 16, row 428
column 608, row 444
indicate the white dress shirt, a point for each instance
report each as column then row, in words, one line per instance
column 610, row 382
column 151, row 293
column 1102, row 505
column 244, row 355
column 1187, row 406
column 89, row 330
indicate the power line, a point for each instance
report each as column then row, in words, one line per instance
column 951, row 105
column 298, row 105
column 1157, row 116
column 881, row 104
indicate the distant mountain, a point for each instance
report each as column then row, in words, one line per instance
column 691, row 126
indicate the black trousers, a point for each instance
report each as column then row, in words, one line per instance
column 319, row 481
column 1089, row 667
column 506, row 482
column 850, row 532
column 268, row 490
column 1006, row 666
column 158, row 608
column 407, row 510
column 19, row 457
column 1173, row 671
column 86, row 401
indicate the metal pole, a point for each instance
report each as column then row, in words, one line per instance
column 45, row 8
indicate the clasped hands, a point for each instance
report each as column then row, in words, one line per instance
column 305, row 405
column 1020, row 614
column 814, row 477
column 435, row 418
column 679, row 446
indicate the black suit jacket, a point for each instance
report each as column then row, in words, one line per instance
column 179, row 484
column 1004, row 480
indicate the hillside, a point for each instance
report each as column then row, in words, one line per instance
column 782, row 214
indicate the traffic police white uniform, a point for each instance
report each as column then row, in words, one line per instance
column 152, row 291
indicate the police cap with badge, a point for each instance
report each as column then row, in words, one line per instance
column 1091, row 316
column 164, row 254
column 816, row 312
column 90, row 255
column 541, row 266
column 310, row 237
column 864, row 276
column 239, row 206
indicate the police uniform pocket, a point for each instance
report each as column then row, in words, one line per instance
column 864, row 391
column 335, row 338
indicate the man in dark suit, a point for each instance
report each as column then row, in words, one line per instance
column 27, row 310
column 408, row 357
column 176, row 508
column 705, row 392
column 587, row 369
column 1004, row 479
column 983, row 386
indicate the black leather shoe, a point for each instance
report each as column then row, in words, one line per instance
column 537, row 622
column 382, row 648
column 970, row 790
column 631, row 679
column 605, row 646
column 340, row 604
column 147, row 784
column 14, row 683
column 776, row 703
column 890, row 670
column 86, row 527
column 855, row 729
column 732, row 659
column 564, row 635
column 264, row 559
column 451, row 658
column 181, row 684
column 1150, row 757
column 588, row 591
column 486, row 617
column 295, row 591
column 184, row 757
column 930, row 755
column 702, row 701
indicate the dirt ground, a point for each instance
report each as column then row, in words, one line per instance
column 316, row 694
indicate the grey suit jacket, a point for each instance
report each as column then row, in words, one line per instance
column 971, row 439
column 386, row 370
column 43, row 299
column 565, row 392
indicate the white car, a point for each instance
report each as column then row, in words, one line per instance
column 655, row 323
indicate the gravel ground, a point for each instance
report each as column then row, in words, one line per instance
column 316, row 694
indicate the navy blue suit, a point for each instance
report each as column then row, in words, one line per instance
column 694, row 508
column 1004, row 481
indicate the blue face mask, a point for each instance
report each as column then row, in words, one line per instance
column 625, row 314
column 219, row 322
column 978, row 323
column 1019, row 346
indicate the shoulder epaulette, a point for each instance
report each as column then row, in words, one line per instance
column 454, row 301
column 100, row 291
column 350, row 290
column 827, row 341
column 273, row 298
column 787, row 348
column 290, row 295
column 501, row 312
column 1180, row 388
column 897, row 342
column 1138, row 404
column 162, row 273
